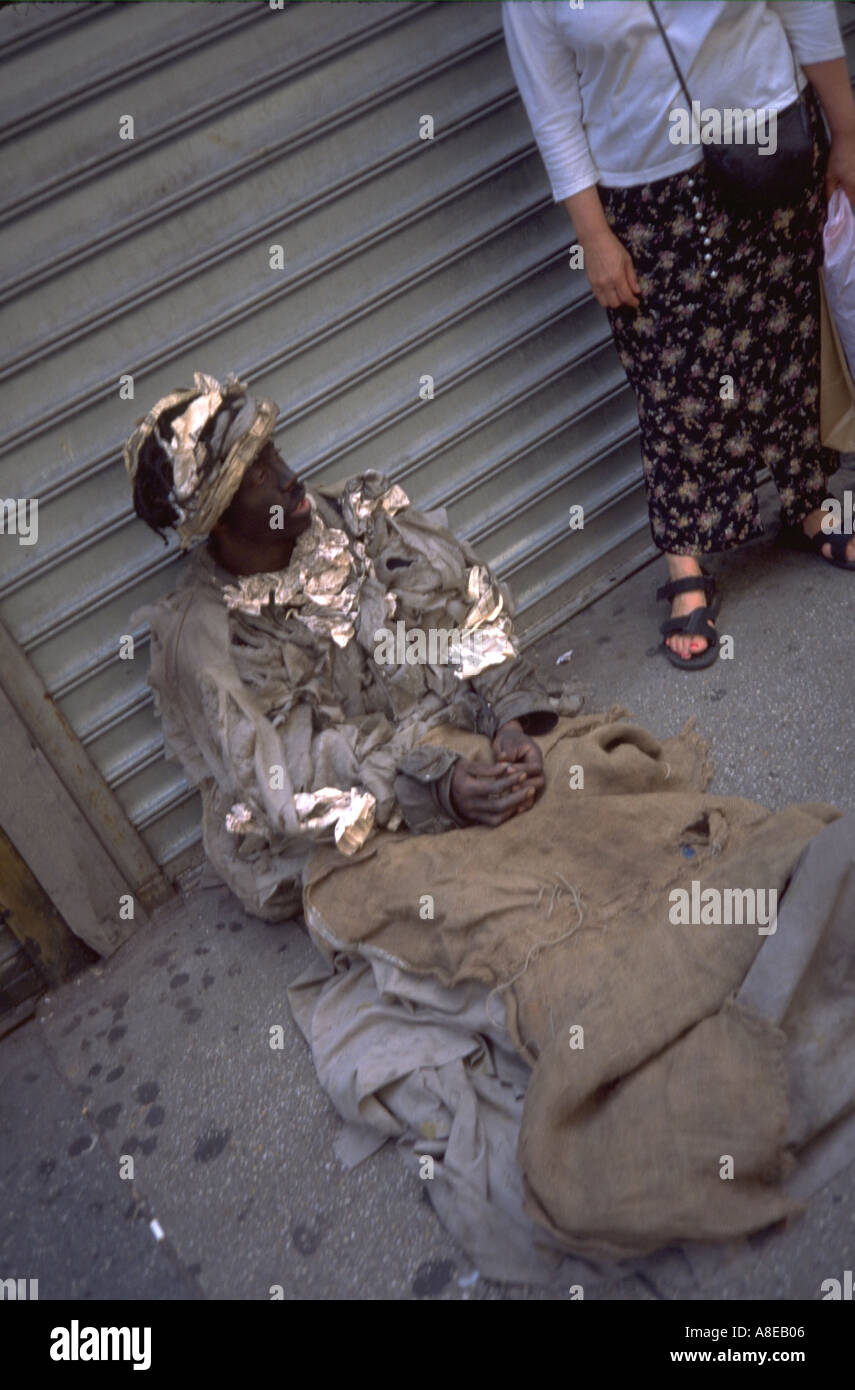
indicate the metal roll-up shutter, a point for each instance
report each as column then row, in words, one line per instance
column 404, row 258
column 20, row 984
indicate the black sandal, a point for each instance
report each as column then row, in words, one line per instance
column 794, row 538
column 698, row 623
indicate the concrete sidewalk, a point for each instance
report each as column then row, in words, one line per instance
column 162, row 1051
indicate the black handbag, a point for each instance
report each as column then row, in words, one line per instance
column 744, row 176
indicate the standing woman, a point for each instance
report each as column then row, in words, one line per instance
column 695, row 287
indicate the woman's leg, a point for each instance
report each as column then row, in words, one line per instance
column 811, row 525
column 696, row 444
column 788, row 422
column 682, row 567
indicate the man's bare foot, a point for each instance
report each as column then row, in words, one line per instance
column 682, row 567
column 813, row 523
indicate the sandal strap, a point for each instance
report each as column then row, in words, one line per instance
column 794, row 538
column 838, row 542
column 686, row 586
column 816, row 541
column 694, row 624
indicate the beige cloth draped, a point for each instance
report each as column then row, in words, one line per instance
column 563, row 914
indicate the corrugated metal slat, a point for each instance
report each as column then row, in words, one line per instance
column 402, row 257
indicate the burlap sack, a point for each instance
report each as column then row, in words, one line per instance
column 564, row 913
column 837, row 389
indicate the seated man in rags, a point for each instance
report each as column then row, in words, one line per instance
column 571, row 896
column 279, row 668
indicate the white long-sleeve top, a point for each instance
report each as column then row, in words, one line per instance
column 598, row 84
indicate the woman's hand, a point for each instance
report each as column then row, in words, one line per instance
column 830, row 81
column 840, row 171
column 608, row 264
column 610, row 271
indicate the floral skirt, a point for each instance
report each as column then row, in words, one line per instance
column 724, row 352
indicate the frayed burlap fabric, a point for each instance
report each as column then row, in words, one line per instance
column 564, row 913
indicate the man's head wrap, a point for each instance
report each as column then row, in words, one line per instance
column 209, row 433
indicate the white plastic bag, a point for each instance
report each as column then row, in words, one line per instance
column 838, row 242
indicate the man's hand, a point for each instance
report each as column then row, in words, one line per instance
column 490, row 793
column 512, row 745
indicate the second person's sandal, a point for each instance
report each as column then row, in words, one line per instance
column 698, row 623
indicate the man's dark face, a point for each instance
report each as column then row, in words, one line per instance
column 268, row 483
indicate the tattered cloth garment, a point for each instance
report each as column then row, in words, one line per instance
column 564, row 916
column 275, row 700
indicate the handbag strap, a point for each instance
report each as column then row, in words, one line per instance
column 667, row 41
column 661, row 29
